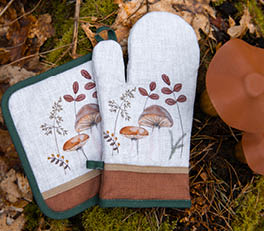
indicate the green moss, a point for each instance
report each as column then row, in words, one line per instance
column 257, row 14
column 124, row 219
column 57, row 225
column 64, row 27
column 32, row 216
column 35, row 218
column 218, row 2
column 249, row 206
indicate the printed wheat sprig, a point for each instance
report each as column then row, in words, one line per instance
column 111, row 140
column 59, row 161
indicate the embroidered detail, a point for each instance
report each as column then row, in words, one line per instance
column 59, row 160
column 90, row 85
column 172, row 101
column 153, row 96
column 55, row 128
column 75, row 142
column 112, row 140
column 121, row 109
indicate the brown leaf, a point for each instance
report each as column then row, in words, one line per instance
column 245, row 24
column 80, row 97
column 68, row 98
column 14, row 74
column 9, row 187
column 181, row 99
column 177, row 87
column 154, row 96
column 75, row 87
column 94, row 95
column 86, row 74
column 89, row 86
column 90, row 35
column 42, row 29
column 152, row 86
column 143, row 91
column 166, row 90
column 196, row 13
column 166, row 79
column 170, row 101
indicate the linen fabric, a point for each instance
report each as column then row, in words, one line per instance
column 45, row 116
column 147, row 115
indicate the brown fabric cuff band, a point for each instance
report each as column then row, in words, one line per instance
column 144, row 186
column 73, row 193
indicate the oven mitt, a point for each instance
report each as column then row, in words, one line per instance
column 54, row 121
column 147, row 118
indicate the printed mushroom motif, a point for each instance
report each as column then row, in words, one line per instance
column 87, row 117
column 134, row 133
column 76, row 143
column 155, row 116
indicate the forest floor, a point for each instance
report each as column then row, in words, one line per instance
column 36, row 36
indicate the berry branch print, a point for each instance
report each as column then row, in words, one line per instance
column 144, row 92
column 75, row 98
column 175, row 100
column 90, row 85
column 55, row 128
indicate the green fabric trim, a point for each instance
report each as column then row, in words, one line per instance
column 145, row 203
column 19, row 146
column 93, row 164
column 110, row 33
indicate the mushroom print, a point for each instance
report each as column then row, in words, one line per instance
column 76, row 98
column 134, row 133
column 155, row 116
column 76, row 143
column 169, row 90
column 87, row 117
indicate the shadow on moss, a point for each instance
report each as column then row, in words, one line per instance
column 125, row 219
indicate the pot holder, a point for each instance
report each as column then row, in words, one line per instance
column 54, row 122
column 147, row 118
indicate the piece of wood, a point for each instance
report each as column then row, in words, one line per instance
column 76, row 26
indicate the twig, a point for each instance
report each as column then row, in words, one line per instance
column 76, row 26
column 23, row 15
column 6, row 7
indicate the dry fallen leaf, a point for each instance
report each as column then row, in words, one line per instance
column 6, row 141
column 3, row 168
column 14, row 224
column 195, row 13
column 236, row 31
column 14, row 74
column 23, row 186
column 23, row 37
column 90, row 35
column 9, row 187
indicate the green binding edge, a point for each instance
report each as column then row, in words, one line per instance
column 145, row 203
column 19, row 146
